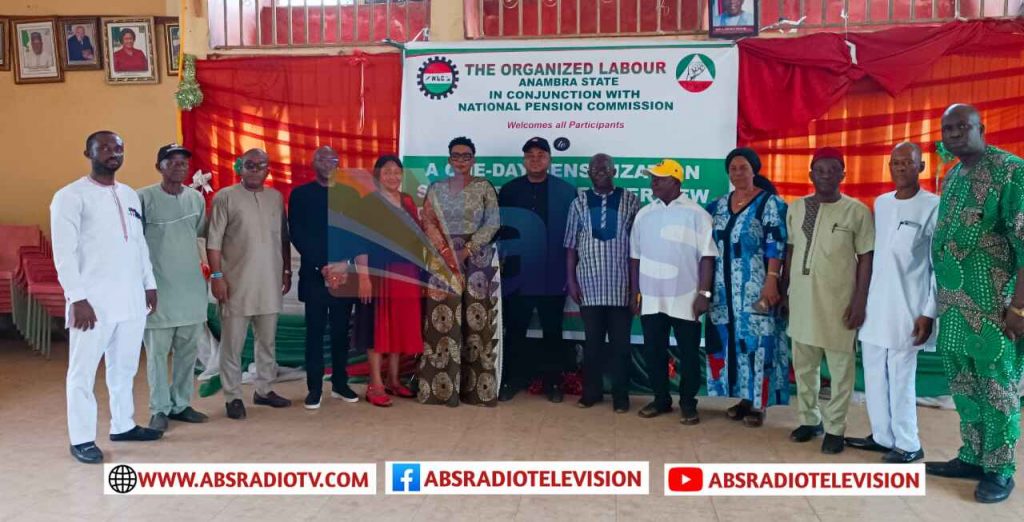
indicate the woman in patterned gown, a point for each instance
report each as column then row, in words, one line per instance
column 747, row 352
column 460, row 345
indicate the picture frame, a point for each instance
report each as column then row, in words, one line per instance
column 35, row 50
column 5, row 55
column 81, row 45
column 129, row 51
column 172, row 47
column 733, row 19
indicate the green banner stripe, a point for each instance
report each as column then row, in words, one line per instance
column 423, row 52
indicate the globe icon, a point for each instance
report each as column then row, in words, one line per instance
column 122, row 479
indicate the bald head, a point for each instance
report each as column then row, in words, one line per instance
column 908, row 148
column 325, row 161
column 255, row 169
column 963, row 132
column 905, row 167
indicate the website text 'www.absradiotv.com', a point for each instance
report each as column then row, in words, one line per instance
column 514, row 478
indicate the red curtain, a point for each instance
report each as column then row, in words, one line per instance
column 291, row 105
column 897, row 93
column 785, row 83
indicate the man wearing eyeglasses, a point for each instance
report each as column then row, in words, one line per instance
column 250, row 260
column 307, row 226
column 978, row 251
column 900, row 310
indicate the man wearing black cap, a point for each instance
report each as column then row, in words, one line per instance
column 534, row 210
column 174, row 219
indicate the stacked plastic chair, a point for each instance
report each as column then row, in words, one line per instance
column 37, row 296
column 12, row 238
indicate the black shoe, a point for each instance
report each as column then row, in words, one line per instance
column 555, row 394
column 312, row 401
column 587, row 403
column 236, row 410
column 805, row 433
column 993, row 488
column 898, row 456
column 689, row 417
column 344, row 393
column 867, row 444
column 832, row 444
column 653, row 410
column 190, row 416
column 158, row 422
column 620, row 405
column 87, row 453
column 955, row 468
column 507, row 392
column 272, row 399
column 137, row 433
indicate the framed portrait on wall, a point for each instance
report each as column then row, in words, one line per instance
column 172, row 47
column 129, row 47
column 80, row 38
column 5, row 55
column 733, row 18
column 36, row 58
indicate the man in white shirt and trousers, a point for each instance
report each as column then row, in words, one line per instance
column 103, row 265
column 900, row 311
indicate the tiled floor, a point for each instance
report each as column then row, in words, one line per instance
column 40, row 481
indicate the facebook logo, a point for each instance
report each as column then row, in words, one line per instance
column 405, row 477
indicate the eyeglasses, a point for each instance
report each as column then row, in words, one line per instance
column 249, row 165
column 461, row 156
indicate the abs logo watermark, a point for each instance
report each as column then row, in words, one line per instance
column 695, row 72
column 437, row 77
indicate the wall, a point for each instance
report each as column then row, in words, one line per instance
column 43, row 126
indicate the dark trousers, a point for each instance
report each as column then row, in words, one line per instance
column 598, row 355
column 318, row 312
column 524, row 358
column 656, row 332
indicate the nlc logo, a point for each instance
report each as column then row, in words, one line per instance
column 405, row 477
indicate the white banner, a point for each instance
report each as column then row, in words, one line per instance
column 794, row 480
column 639, row 101
column 517, row 478
column 239, row 479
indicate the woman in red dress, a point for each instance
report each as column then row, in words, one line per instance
column 398, row 292
column 128, row 58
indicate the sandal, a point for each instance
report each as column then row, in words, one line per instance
column 399, row 390
column 376, row 396
column 739, row 411
column 754, row 419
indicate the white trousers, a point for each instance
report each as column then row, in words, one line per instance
column 119, row 344
column 889, row 387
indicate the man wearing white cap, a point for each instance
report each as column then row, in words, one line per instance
column 672, row 264
column 103, row 265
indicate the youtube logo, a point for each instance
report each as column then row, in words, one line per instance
column 684, row 479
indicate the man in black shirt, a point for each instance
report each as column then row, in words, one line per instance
column 534, row 210
column 307, row 223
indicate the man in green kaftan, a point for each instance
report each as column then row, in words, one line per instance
column 978, row 253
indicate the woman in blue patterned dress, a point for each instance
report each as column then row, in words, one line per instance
column 747, row 354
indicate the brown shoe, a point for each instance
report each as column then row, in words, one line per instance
column 272, row 399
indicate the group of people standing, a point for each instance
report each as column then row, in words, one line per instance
column 812, row 278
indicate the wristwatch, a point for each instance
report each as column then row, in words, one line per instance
column 705, row 293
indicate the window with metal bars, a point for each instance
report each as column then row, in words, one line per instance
column 573, row 18
column 314, row 23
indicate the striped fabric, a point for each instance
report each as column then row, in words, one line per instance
column 598, row 228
